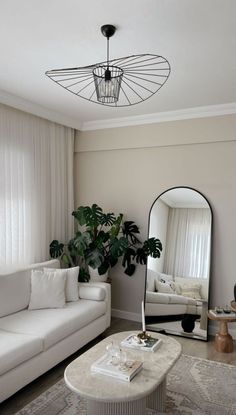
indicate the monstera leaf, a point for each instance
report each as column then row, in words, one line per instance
column 81, row 241
column 94, row 258
column 141, row 256
column 101, row 239
column 153, row 247
column 104, row 267
column 107, row 219
column 128, row 256
column 56, row 248
column 116, row 228
column 118, row 246
column 130, row 229
column 89, row 216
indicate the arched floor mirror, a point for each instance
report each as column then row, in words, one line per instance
column 177, row 283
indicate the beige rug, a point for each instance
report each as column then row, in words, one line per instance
column 195, row 386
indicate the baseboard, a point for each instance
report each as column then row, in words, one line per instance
column 126, row 315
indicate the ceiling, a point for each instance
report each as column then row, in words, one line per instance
column 198, row 37
column 180, row 197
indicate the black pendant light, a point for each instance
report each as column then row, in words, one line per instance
column 117, row 83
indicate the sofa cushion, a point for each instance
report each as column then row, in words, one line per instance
column 72, row 275
column 16, row 348
column 47, row 289
column 160, row 298
column 181, row 299
column 53, row 325
column 92, row 293
column 165, row 298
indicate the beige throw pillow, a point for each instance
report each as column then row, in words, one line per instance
column 191, row 291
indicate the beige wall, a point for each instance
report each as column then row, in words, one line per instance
column 125, row 169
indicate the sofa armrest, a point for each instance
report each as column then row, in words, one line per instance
column 107, row 299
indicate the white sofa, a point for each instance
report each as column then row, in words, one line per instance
column 173, row 304
column 33, row 341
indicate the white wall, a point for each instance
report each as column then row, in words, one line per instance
column 158, row 229
column 143, row 161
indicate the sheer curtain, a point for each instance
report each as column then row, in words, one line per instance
column 36, row 186
column 188, row 242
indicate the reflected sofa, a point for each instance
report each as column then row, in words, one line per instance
column 185, row 297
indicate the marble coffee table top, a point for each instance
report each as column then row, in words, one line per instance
column 156, row 365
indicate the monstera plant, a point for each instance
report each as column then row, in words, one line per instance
column 101, row 239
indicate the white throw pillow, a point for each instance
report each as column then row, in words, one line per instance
column 47, row 290
column 72, row 293
column 166, row 277
column 164, row 287
column 191, row 290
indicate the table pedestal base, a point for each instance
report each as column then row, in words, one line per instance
column 156, row 401
column 224, row 343
column 137, row 407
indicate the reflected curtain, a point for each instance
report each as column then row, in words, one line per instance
column 188, row 242
column 36, row 186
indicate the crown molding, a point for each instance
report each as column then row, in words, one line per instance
column 46, row 113
column 35, row 109
column 184, row 114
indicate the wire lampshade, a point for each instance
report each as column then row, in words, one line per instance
column 116, row 83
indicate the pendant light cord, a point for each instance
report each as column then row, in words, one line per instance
column 107, row 52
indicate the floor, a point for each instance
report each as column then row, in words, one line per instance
column 28, row 393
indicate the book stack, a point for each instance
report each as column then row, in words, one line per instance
column 124, row 372
column 148, row 345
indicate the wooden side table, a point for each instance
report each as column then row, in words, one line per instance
column 223, row 340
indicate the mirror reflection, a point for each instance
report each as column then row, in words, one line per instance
column 177, row 285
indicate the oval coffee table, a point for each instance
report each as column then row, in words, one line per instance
column 108, row 396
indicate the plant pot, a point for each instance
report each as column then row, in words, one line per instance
column 95, row 276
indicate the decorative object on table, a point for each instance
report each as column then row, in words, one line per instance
column 101, row 239
column 233, row 305
column 149, row 344
column 118, row 82
column 235, row 292
column 223, row 314
column 226, row 309
column 143, row 335
column 120, row 370
column 218, row 310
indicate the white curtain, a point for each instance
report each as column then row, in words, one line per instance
column 36, row 186
column 188, row 242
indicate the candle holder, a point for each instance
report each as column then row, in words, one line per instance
column 143, row 335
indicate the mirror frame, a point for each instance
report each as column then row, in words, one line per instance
column 165, row 331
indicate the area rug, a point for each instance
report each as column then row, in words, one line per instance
column 195, row 386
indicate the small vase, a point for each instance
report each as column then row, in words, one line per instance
column 95, row 276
